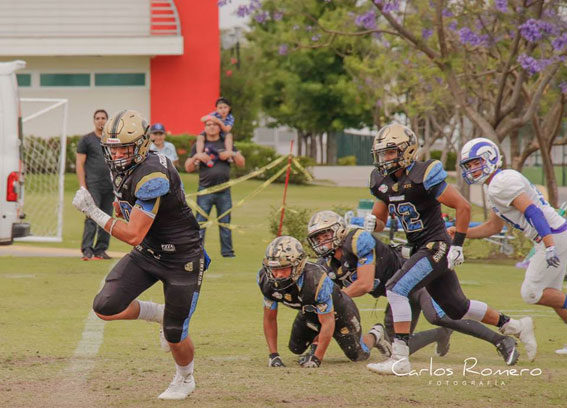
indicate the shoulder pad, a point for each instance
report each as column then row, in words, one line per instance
column 375, row 179
column 428, row 173
column 152, row 185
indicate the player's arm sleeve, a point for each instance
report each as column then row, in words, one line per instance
column 505, row 189
column 363, row 248
column 434, row 179
column 268, row 303
column 324, row 295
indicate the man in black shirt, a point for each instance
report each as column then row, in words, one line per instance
column 214, row 169
column 93, row 175
column 165, row 235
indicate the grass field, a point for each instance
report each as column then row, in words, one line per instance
column 49, row 355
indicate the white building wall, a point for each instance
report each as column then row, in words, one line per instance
column 83, row 101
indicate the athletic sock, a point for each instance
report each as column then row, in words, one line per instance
column 184, row 371
column 151, row 312
column 403, row 337
column 472, row 328
column 419, row 340
column 502, row 320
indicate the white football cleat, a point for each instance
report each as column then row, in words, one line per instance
column 562, row 350
column 163, row 342
column 382, row 344
column 523, row 329
column 397, row 364
column 179, row 388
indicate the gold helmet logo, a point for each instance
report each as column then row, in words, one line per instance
column 126, row 129
column 394, row 137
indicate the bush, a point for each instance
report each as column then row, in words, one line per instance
column 294, row 224
column 347, row 161
column 451, row 164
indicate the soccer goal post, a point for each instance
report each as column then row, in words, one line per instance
column 44, row 171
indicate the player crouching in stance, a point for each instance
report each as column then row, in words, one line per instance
column 324, row 311
column 166, row 241
column 360, row 263
column 413, row 191
column 516, row 201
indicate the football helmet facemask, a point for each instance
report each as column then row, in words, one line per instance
column 283, row 252
column 331, row 224
column 394, row 137
column 126, row 129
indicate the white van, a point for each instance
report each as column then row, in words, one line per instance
column 11, row 170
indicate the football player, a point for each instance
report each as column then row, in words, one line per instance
column 413, row 191
column 158, row 223
column 360, row 263
column 324, row 311
column 515, row 201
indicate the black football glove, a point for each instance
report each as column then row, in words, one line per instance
column 274, row 360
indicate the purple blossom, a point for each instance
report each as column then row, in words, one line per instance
column 532, row 65
column 447, row 13
column 379, row 2
column 222, row 3
column 243, row 11
column 534, row 30
column 501, row 5
column 452, row 26
column 393, row 5
column 283, row 49
column 316, row 37
column 366, row 20
column 277, row 16
column 261, row 17
column 308, row 28
column 468, row 36
column 563, row 87
column 560, row 43
column 426, row 33
column 295, row 27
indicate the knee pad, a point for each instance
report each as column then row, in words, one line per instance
column 173, row 333
column 476, row 310
column 531, row 293
column 401, row 310
column 296, row 347
column 107, row 306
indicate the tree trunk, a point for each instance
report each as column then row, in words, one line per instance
column 331, row 147
column 322, row 157
column 313, row 146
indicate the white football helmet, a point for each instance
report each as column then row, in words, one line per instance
column 484, row 150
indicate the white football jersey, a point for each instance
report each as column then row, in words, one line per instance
column 504, row 187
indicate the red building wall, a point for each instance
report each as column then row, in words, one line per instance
column 184, row 88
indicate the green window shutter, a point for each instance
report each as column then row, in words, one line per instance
column 134, row 79
column 65, row 80
column 24, row 80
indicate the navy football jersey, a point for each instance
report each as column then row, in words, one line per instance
column 154, row 186
column 360, row 248
column 413, row 200
column 314, row 292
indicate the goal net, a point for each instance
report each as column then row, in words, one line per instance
column 44, row 169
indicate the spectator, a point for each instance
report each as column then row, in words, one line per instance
column 223, row 116
column 209, row 176
column 157, row 135
column 93, row 174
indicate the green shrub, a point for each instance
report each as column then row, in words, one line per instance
column 451, row 159
column 347, row 161
column 294, row 224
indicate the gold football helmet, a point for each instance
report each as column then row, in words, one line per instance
column 394, row 137
column 126, row 129
column 283, row 252
column 331, row 224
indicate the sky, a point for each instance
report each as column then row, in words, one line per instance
column 227, row 17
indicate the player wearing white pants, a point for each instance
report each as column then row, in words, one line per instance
column 517, row 202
